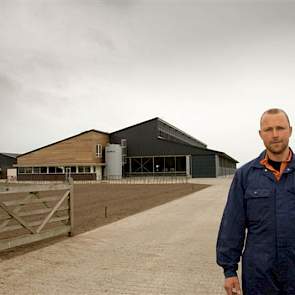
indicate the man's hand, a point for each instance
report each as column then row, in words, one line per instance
column 232, row 286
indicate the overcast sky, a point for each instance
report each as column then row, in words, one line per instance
column 209, row 68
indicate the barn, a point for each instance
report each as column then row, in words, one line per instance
column 150, row 148
column 155, row 147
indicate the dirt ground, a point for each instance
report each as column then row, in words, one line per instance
column 99, row 204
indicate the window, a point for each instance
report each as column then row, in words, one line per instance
column 43, row 170
column 59, row 170
column 71, row 169
column 36, row 170
column 180, row 164
column 98, row 150
column 28, row 170
column 123, row 142
column 159, row 164
column 51, row 169
column 124, row 150
column 84, row 169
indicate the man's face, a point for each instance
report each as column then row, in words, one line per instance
column 275, row 132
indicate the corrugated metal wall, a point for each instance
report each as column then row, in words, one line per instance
column 203, row 165
column 142, row 140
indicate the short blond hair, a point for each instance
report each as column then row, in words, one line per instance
column 275, row 111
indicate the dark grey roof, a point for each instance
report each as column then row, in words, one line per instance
column 164, row 122
column 182, row 132
column 11, row 155
column 135, row 125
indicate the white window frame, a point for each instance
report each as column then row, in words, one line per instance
column 98, row 150
column 124, row 142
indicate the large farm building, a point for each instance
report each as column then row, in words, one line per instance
column 150, row 148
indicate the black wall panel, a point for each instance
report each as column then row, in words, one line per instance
column 203, row 166
column 142, row 140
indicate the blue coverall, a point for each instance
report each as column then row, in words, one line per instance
column 258, row 224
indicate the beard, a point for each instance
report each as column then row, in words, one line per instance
column 278, row 148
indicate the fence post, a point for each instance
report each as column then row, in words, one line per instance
column 71, row 206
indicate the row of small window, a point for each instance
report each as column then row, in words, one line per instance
column 56, row 170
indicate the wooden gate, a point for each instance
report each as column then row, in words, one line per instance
column 30, row 213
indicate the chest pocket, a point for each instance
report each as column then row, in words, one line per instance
column 258, row 203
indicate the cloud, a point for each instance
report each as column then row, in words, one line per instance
column 8, row 87
column 206, row 66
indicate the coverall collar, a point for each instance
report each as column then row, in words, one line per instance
column 257, row 161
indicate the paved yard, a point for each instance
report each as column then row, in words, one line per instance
column 169, row 249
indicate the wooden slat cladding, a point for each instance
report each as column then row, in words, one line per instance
column 78, row 149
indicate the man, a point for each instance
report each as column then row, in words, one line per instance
column 261, row 202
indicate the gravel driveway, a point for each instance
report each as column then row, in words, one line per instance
column 169, row 249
